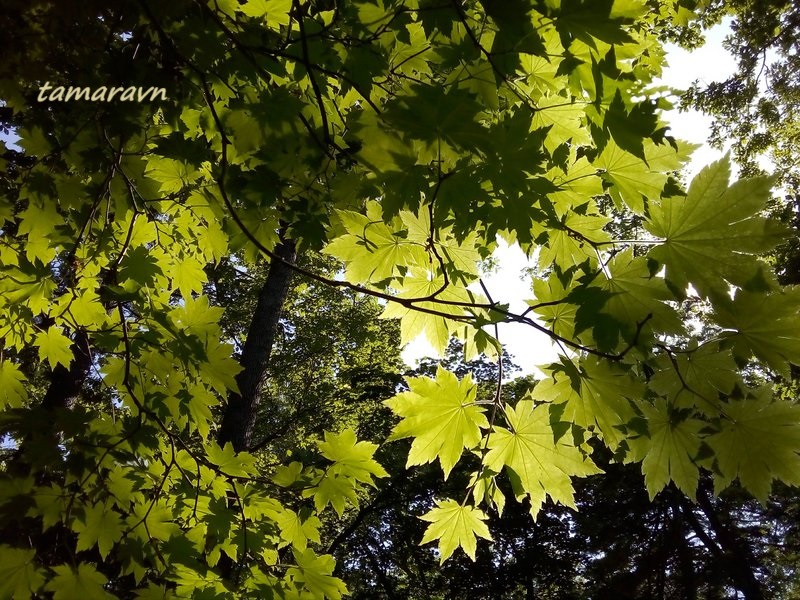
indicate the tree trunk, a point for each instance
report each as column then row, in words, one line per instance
column 737, row 554
column 240, row 415
column 40, row 447
column 66, row 384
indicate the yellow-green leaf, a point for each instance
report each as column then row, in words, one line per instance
column 455, row 526
column 442, row 417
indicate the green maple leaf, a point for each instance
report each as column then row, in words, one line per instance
column 39, row 224
column 276, row 12
column 333, row 489
column 460, row 258
column 636, row 295
column 139, row 233
column 371, row 249
column 296, row 530
column 351, row 458
column 85, row 582
column 139, row 267
column 189, row 581
column 564, row 117
column 20, row 578
column 576, row 182
column 455, row 526
column 87, row 309
column 239, row 464
column 315, row 572
column 288, row 475
column 196, row 316
column 442, row 417
column 435, row 328
column 220, row 368
column 705, row 372
column 630, row 128
column 199, row 402
column 595, row 396
column 51, row 505
column 767, row 326
column 712, row 236
column 152, row 520
column 541, row 466
column 54, row 347
column 561, row 314
column 172, row 174
column 35, row 291
column 383, row 150
column 669, row 452
column 590, row 19
column 188, row 276
column 758, row 441
column 100, row 526
column 572, row 244
column 12, row 391
column 634, row 179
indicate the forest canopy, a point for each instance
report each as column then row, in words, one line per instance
column 204, row 294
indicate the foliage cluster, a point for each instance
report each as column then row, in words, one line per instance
column 401, row 138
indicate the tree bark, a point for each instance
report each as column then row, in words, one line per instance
column 239, row 418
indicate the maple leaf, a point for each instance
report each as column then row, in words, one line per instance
column 99, row 526
column 442, row 417
column 550, row 302
column 461, row 258
column 296, row 530
column 637, row 296
column 371, row 249
column 188, row 276
column 39, row 222
column 20, row 578
column 593, row 394
column 541, row 465
column 315, row 572
column 564, row 117
column 435, row 328
column 705, row 372
column 85, row 582
column 230, row 462
column 766, row 326
column 455, row 526
column 712, row 236
column 12, row 391
column 758, row 441
column 54, row 347
column 333, row 489
column 172, row 174
column 634, row 178
column 570, row 244
column 351, row 458
column 669, row 451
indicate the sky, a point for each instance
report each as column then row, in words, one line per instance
column 531, row 348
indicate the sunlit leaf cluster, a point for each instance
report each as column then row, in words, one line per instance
column 402, row 138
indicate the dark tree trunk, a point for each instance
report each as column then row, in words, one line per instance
column 39, row 451
column 737, row 553
column 240, row 415
column 66, row 384
column 39, row 447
